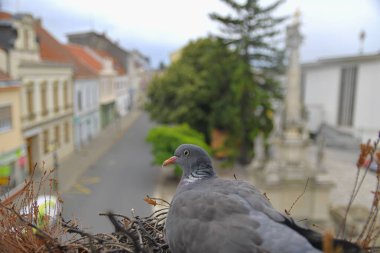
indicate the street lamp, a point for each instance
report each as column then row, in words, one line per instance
column 53, row 149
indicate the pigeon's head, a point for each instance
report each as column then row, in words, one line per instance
column 191, row 158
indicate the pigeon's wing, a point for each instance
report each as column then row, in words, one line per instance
column 211, row 222
column 217, row 217
column 249, row 194
column 259, row 202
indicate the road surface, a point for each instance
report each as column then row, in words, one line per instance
column 117, row 182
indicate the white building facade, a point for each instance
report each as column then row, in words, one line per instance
column 86, row 111
column 343, row 93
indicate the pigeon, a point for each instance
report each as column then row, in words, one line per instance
column 215, row 215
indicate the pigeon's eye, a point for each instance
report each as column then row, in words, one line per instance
column 186, row 152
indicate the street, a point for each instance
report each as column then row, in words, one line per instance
column 117, row 182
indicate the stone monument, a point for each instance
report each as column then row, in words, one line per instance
column 288, row 179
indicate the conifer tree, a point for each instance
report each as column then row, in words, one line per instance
column 252, row 31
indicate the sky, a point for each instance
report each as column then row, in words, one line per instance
column 157, row 28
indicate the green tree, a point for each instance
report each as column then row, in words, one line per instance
column 205, row 88
column 198, row 88
column 251, row 32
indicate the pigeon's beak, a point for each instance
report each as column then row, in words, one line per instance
column 171, row 160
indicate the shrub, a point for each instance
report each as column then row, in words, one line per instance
column 165, row 139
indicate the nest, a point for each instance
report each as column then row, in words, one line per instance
column 22, row 231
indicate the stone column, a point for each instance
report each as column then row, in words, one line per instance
column 293, row 117
column 289, row 174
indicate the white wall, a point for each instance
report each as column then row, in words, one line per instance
column 322, row 91
column 86, row 120
column 322, row 85
column 89, row 88
column 367, row 96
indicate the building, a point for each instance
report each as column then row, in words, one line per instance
column 139, row 71
column 135, row 65
column 119, row 81
column 13, row 167
column 31, row 55
column 101, row 42
column 86, row 95
column 343, row 93
column 107, row 91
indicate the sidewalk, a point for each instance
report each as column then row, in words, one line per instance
column 76, row 164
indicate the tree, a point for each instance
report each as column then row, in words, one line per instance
column 204, row 88
column 198, row 88
column 251, row 32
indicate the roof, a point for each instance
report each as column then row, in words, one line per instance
column 50, row 48
column 5, row 15
column 343, row 60
column 116, row 64
column 85, row 64
column 97, row 35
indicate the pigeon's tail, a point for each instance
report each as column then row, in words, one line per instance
column 316, row 239
column 347, row 247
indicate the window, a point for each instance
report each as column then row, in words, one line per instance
column 347, row 95
column 79, row 101
column 88, row 96
column 44, row 99
column 57, row 136
column 26, row 39
column 55, row 97
column 30, row 102
column 67, row 132
column 5, row 118
column 46, row 141
column 65, row 95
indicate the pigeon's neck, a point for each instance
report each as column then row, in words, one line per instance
column 197, row 175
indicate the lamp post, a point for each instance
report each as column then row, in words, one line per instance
column 53, row 148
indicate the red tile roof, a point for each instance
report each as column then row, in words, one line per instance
column 116, row 64
column 84, row 57
column 50, row 48
column 5, row 15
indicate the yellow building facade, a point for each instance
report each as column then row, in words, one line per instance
column 38, row 62
column 13, row 160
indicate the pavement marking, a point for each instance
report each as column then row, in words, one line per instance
column 90, row 180
column 82, row 189
column 81, row 186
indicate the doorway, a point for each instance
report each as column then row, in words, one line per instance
column 32, row 146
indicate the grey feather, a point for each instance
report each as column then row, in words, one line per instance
column 214, row 215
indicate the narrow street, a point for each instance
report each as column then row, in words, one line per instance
column 117, row 182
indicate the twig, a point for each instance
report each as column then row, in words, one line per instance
column 294, row 203
column 29, row 223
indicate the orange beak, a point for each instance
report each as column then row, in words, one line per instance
column 171, row 160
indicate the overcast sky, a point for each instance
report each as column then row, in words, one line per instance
column 157, row 28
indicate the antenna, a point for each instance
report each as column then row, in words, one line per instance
column 361, row 41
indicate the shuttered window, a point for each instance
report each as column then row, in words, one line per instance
column 347, row 96
column 55, row 97
column 57, row 132
column 67, row 132
column 44, row 99
column 46, row 141
column 5, row 118
column 30, row 100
